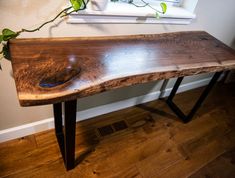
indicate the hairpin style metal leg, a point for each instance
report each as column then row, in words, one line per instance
column 176, row 109
column 66, row 136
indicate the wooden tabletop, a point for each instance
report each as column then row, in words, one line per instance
column 51, row 70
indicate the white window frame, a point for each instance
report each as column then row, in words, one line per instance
column 119, row 12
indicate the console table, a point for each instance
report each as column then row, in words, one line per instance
column 57, row 70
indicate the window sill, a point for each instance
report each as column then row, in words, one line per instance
column 127, row 13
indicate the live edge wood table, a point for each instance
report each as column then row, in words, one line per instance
column 56, row 70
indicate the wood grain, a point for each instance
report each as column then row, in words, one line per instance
column 110, row 62
column 222, row 167
column 155, row 144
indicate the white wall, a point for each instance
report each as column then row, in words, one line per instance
column 213, row 16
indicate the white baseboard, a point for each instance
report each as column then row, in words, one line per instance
column 42, row 125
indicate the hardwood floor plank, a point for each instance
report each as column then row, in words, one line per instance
column 153, row 144
column 14, row 153
column 129, row 172
column 221, row 167
column 163, row 158
column 198, row 159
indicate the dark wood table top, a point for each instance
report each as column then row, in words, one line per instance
column 51, row 70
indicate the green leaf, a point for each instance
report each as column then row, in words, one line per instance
column 76, row 4
column 6, row 52
column 157, row 15
column 8, row 34
column 7, row 31
column 164, row 7
column 1, row 38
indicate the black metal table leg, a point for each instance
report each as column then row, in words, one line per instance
column 66, row 138
column 176, row 109
column 57, row 108
column 69, row 131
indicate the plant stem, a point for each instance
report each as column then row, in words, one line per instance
column 58, row 15
column 84, row 7
column 146, row 4
column 5, row 51
column 38, row 28
column 138, row 5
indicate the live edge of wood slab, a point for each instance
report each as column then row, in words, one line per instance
column 104, row 63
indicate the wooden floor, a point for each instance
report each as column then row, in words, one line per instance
column 146, row 141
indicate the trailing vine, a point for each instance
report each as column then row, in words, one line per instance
column 145, row 4
column 7, row 34
column 76, row 5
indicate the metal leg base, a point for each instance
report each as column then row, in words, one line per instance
column 176, row 109
column 66, row 136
